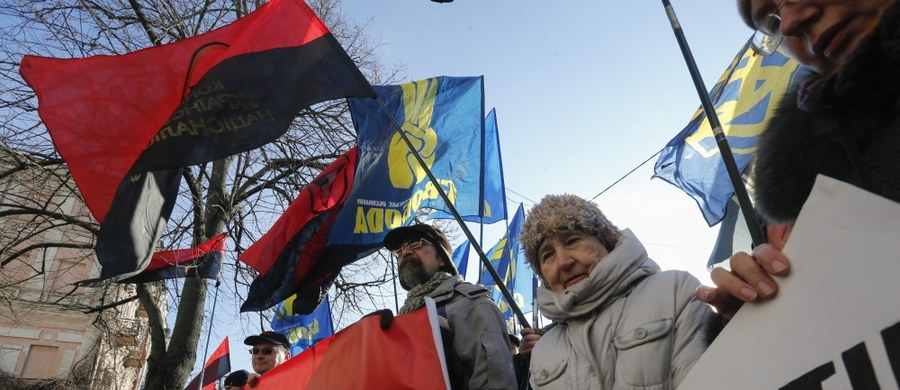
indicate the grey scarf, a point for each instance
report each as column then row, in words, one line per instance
column 416, row 296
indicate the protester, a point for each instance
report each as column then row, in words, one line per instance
column 621, row 322
column 842, row 122
column 270, row 349
column 236, row 380
column 475, row 336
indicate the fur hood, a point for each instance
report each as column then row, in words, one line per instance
column 845, row 125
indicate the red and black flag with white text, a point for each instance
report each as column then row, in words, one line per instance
column 292, row 256
column 201, row 261
column 218, row 365
column 127, row 124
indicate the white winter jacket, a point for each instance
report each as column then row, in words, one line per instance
column 627, row 326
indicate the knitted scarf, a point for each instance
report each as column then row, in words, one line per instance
column 416, row 296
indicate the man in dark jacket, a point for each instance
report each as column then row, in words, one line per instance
column 476, row 340
column 842, row 122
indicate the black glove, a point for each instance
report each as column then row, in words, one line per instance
column 387, row 317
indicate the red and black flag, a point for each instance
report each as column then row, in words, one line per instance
column 292, row 256
column 218, row 365
column 126, row 124
column 202, row 261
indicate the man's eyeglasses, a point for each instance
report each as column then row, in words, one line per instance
column 264, row 351
column 412, row 245
column 768, row 36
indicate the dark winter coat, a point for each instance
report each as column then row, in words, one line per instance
column 845, row 125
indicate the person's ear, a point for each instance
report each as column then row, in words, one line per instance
column 778, row 234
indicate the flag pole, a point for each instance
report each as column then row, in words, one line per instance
column 484, row 260
column 212, row 316
column 394, row 278
column 740, row 191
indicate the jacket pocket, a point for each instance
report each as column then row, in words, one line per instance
column 545, row 374
column 643, row 334
column 644, row 356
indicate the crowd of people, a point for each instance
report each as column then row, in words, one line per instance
column 618, row 320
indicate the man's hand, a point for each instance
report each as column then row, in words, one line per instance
column 750, row 279
column 530, row 338
column 252, row 380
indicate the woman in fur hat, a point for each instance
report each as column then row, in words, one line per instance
column 621, row 322
column 843, row 122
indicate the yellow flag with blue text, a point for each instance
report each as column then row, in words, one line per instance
column 745, row 98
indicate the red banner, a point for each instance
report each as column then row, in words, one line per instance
column 363, row 356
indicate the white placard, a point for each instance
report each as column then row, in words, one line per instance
column 840, row 303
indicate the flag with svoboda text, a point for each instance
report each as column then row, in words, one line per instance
column 443, row 117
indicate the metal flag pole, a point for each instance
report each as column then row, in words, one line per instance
column 484, row 260
column 212, row 317
column 756, row 232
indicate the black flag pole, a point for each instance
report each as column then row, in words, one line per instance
column 740, row 191
column 484, row 260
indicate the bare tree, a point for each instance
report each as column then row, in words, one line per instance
column 241, row 194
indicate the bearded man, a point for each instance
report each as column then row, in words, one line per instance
column 473, row 331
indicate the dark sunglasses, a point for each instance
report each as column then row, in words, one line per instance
column 264, row 351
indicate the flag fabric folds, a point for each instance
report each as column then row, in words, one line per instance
column 218, row 365
column 125, row 124
column 407, row 355
column 443, row 117
column 460, row 257
column 302, row 331
column 292, row 256
column 493, row 188
column 202, row 261
column 505, row 258
column 745, row 97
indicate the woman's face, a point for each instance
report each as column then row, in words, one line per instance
column 568, row 257
column 822, row 33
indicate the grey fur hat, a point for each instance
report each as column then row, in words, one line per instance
column 564, row 212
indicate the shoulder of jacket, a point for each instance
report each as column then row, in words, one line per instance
column 470, row 290
column 461, row 288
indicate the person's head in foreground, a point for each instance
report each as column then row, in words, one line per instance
column 236, row 380
column 820, row 33
column 270, row 349
column 564, row 237
column 421, row 251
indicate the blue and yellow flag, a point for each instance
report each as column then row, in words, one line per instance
column 491, row 181
column 302, row 331
column 443, row 117
column 508, row 258
column 745, row 98
column 461, row 258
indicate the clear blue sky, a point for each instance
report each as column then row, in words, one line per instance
column 584, row 91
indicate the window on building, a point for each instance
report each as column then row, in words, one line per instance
column 41, row 362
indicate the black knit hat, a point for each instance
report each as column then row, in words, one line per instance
column 395, row 238
column 269, row 337
column 237, row 378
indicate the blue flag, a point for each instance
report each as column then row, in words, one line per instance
column 461, row 258
column 524, row 283
column 504, row 257
column 302, row 331
column 443, row 118
column 745, row 98
column 494, row 197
